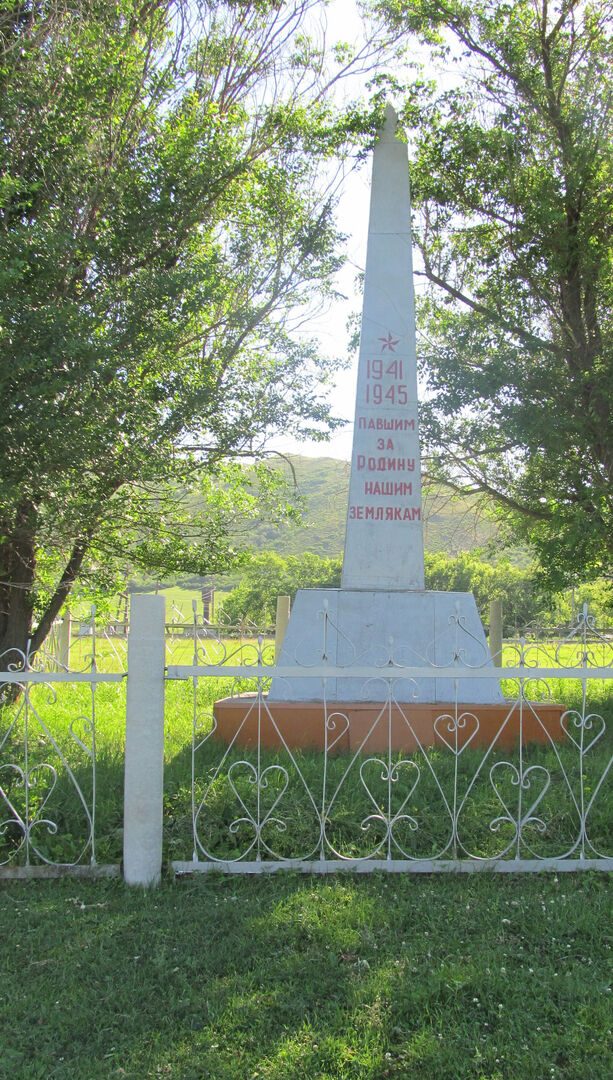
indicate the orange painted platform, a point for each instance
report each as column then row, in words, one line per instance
column 365, row 727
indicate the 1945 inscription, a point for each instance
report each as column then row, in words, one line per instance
column 393, row 449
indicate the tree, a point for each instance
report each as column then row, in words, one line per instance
column 268, row 576
column 523, row 598
column 512, row 184
column 162, row 217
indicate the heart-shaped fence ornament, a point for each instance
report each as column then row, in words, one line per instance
column 458, row 727
column 524, row 783
column 390, row 776
column 15, row 819
column 251, row 776
column 331, row 724
column 585, row 724
column 205, row 726
column 258, row 819
column 394, row 775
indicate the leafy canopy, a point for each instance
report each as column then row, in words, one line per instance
column 164, row 215
column 513, row 188
column 268, row 576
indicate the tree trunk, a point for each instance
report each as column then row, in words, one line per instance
column 17, row 569
column 57, row 601
column 18, row 636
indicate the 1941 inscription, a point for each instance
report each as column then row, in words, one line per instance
column 392, row 447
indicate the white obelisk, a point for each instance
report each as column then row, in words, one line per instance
column 384, row 540
column 382, row 613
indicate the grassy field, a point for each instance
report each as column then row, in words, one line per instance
column 179, row 603
column 287, row 978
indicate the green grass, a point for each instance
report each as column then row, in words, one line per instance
column 288, row 978
column 468, row 977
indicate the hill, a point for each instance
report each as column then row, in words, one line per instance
column 451, row 524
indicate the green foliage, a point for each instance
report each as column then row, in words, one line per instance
column 268, row 576
column 162, row 212
column 523, row 599
column 598, row 595
column 513, row 189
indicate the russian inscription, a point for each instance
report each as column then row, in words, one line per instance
column 384, row 392
column 384, row 545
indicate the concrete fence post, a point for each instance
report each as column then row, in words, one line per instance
column 281, row 621
column 495, row 639
column 144, row 755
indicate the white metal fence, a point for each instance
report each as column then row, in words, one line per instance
column 48, row 777
column 360, row 802
column 444, row 804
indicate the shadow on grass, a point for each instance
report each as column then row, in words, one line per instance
column 287, row 978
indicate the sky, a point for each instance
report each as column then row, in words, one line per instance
column 330, row 327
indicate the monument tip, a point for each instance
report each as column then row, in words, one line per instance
column 387, row 131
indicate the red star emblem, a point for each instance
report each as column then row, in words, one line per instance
column 388, row 342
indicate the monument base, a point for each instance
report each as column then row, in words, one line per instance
column 359, row 628
column 368, row 728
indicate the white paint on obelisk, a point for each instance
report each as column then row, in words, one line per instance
column 382, row 612
column 384, row 539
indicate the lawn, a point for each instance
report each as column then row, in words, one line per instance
column 291, row 978
column 349, row 977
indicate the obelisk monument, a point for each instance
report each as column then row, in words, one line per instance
column 384, row 542
column 382, row 614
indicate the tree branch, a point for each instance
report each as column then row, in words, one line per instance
column 524, row 335
column 65, row 584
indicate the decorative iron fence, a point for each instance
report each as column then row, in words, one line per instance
column 399, row 786
column 48, row 777
column 387, row 783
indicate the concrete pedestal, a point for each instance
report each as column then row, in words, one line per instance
column 366, row 728
column 351, row 628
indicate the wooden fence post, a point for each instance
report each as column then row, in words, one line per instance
column 281, row 621
column 63, row 641
column 495, row 638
